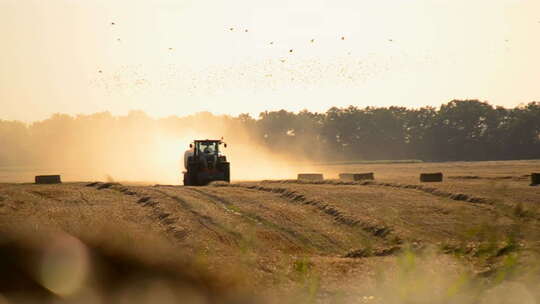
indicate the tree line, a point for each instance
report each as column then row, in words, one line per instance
column 458, row 130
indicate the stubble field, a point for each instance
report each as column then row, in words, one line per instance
column 474, row 238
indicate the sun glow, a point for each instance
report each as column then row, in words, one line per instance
column 179, row 57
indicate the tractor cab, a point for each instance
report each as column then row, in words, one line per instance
column 207, row 151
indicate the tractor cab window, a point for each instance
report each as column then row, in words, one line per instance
column 207, row 147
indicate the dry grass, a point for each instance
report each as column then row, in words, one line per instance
column 392, row 240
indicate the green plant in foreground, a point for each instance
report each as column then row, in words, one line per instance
column 309, row 279
column 302, row 267
column 508, row 268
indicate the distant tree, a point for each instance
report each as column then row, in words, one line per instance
column 419, row 135
column 14, row 143
column 277, row 128
column 521, row 132
column 461, row 130
column 382, row 133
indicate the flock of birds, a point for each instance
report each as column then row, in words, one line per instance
column 290, row 50
column 270, row 74
column 113, row 23
column 246, row 31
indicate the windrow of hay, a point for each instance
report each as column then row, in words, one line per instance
column 356, row 176
column 310, row 176
column 146, row 201
column 379, row 230
column 507, row 177
column 430, row 190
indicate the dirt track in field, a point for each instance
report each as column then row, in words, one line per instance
column 278, row 236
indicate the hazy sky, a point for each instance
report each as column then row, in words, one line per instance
column 175, row 57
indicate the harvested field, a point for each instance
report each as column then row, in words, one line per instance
column 310, row 176
column 393, row 240
column 356, row 176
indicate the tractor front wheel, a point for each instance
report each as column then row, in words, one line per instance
column 227, row 172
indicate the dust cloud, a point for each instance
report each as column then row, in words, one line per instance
column 138, row 148
column 249, row 159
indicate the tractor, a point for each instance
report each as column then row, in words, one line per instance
column 204, row 163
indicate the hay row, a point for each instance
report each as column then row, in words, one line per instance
column 356, row 176
column 434, row 191
column 157, row 212
column 370, row 252
column 310, row 176
column 429, row 190
column 469, row 177
column 377, row 230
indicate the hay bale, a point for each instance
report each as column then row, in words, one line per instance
column 356, row 176
column 431, row 177
column 48, row 179
column 535, row 179
column 310, row 176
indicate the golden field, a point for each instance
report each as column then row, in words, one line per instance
column 474, row 238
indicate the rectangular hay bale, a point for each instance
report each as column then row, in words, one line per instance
column 310, row 176
column 48, row 179
column 431, row 177
column 535, row 179
column 356, row 176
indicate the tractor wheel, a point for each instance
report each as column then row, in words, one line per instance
column 193, row 174
column 227, row 172
column 186, row 179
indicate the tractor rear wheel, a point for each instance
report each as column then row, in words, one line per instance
column 192, row 174
column 186, row 179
